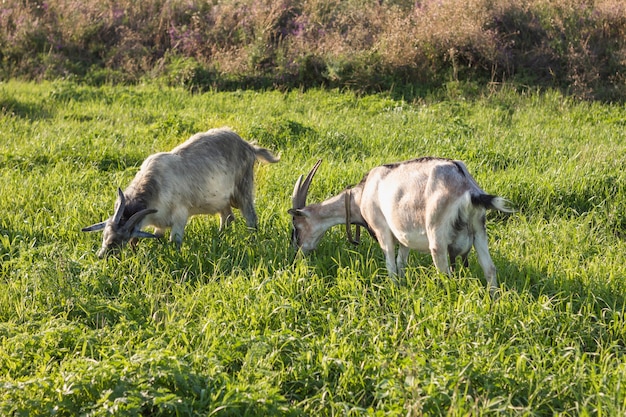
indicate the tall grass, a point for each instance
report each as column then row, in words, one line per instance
column 576, row 45
column 237, row 324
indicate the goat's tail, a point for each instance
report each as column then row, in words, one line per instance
column 265, row 155
column 493, row 202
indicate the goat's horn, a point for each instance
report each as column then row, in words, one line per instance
column 295, row 200
column 137, row 217
column 121, row 204
column 301, row 189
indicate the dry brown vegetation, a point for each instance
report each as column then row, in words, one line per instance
column 576, row 45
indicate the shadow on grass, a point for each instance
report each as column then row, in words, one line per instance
column 30, row 111
column 600, row 294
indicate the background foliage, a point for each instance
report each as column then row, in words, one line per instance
column 575, row 45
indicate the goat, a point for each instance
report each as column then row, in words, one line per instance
column 427, row 204
column 207, row 174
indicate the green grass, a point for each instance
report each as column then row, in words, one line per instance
column 234, row 324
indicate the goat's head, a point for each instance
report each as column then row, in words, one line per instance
column 117, row 231
column 305, row 234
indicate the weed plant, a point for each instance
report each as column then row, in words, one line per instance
column 235, row 323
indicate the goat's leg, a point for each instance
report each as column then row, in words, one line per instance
column 243, row 198
column 484, row 258
column 453, row 255
column 438, row 231
column 401, row 259
column 226, row 218
column 388, row 245
column 248, row 212
column 179, row 220
column 440, row 259
column 176, row 235
column 439, row 249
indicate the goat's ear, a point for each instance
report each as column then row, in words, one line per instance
column 94, row 227
column 298, row 212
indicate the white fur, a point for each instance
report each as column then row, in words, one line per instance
column 423, row 204
column 207, row 174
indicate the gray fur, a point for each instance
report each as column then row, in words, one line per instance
column 209, row 173
column 427, row 204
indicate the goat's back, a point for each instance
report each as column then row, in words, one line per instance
column 412, row 182
column 217, row 146
column 415, row 195
column 215, row 159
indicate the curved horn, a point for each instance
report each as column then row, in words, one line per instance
column 137, row 217
column 120, row 205
column 300, row 190
column 295, row 201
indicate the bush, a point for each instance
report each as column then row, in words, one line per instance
column 575, row 45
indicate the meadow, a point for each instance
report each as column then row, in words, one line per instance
column 236, row 323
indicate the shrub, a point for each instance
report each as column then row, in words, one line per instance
column 572, row 44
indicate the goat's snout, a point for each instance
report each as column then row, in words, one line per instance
column 109, row 248
column 103, row 252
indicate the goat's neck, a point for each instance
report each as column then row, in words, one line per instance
column 332, row 211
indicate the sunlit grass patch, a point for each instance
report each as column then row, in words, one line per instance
column 237, row 323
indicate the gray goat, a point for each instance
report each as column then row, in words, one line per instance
column 209, row 173
column 427, row 204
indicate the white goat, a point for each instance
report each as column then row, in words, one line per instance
column 427, row 204
column 209, row 173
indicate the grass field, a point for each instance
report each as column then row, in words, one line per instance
column 234, row 324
